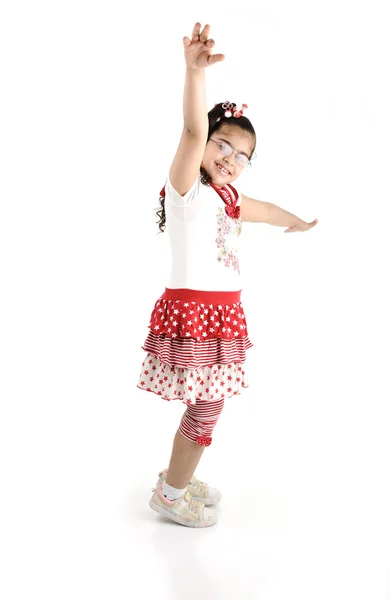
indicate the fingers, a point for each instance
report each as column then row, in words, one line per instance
column 202, row 36
column 205, row 33
column 187, row 42
column 197, row 35
column 214, row 58
column 196, row 32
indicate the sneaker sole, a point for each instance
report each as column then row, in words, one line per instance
column 168, row 514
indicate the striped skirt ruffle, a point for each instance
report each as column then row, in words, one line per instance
column 196, row 346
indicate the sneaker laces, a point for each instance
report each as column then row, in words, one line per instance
column 200, row 486
column 194, row 506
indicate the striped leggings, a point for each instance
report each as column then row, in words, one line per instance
column 199, row 420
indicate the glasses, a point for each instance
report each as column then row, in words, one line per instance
column 241, row 159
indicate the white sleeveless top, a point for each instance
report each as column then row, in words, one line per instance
column 204, row 239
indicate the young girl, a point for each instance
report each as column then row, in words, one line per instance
column 196, row 346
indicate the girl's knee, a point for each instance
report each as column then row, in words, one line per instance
column 200, row 419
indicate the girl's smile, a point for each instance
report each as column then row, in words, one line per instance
column 222, row 169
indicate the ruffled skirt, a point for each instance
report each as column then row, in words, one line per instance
column 196, row 346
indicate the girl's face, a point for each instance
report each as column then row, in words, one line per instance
column 225, row 169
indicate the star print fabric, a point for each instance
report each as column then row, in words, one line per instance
column 177, row 318
column 174, row 383
column 196, row 346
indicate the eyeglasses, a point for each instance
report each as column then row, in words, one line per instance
column 241, row 159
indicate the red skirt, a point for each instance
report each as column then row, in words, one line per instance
column 196, row 346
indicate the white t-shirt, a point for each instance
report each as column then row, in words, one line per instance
column 204, row 239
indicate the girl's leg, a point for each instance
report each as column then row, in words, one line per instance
column 197, row 420
column 184, row 460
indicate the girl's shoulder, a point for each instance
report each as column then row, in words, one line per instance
column 172, row 196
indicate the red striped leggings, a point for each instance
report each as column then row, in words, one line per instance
column 199, row 420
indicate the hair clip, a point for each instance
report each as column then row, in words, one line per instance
column 231, row 110
column 238, row 113
column 228, row 107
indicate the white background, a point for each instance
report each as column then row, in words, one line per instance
column 91, row 115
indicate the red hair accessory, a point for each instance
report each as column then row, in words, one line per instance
column 231, row 110
column 203, row 440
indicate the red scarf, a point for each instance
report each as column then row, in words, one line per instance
column 231, row 209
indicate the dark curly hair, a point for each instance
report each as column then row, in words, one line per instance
column 217, row 119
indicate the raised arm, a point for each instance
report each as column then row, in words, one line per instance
column 186, row 163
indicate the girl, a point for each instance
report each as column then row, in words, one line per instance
column 196, row 346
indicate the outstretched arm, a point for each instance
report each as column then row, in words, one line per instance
column 258, row 211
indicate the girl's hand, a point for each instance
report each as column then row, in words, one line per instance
column 198, row 51
column 302, row 226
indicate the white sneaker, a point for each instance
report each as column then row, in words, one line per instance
column 198, row 489
column 184, row 510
